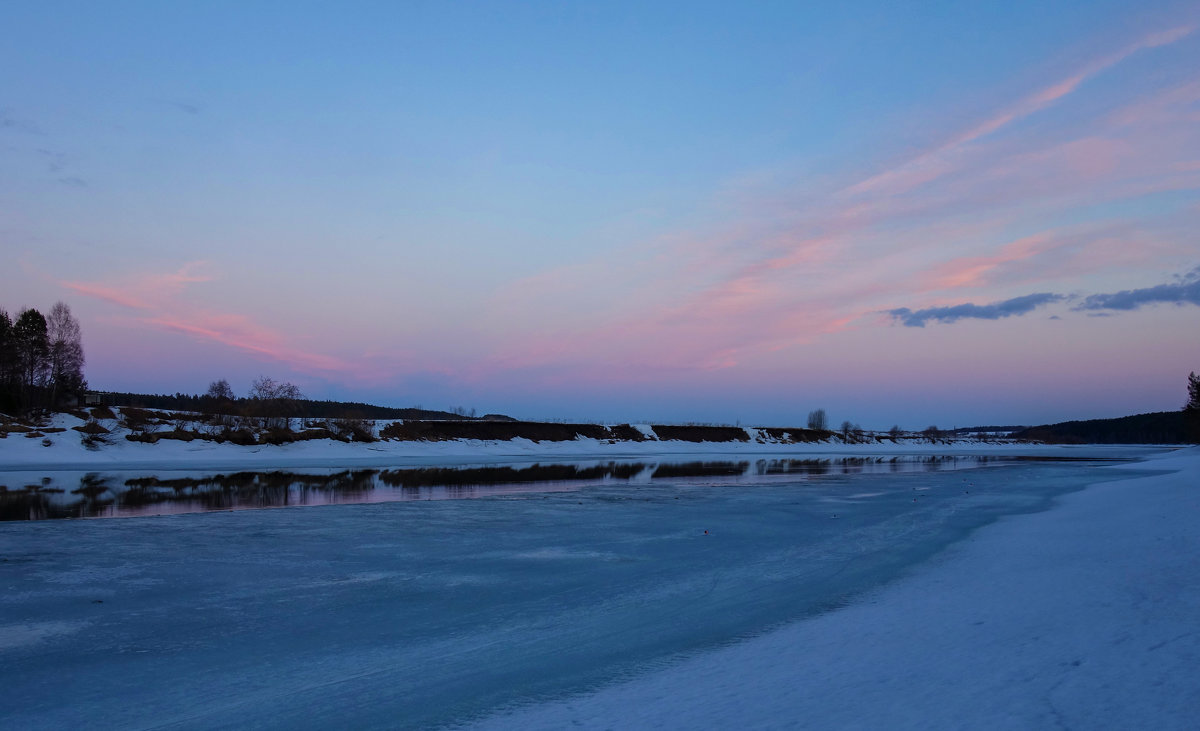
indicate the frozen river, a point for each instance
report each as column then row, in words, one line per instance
column 418, row 612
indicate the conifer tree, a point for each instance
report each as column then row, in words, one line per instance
column 1191, row 410
column 32, row 348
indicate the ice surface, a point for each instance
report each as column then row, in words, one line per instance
column 37, row 495
column 1081, row 617
column 609, row 605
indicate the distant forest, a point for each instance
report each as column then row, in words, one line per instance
column 299, row 407
column 1163, row 427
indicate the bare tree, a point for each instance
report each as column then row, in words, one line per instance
column 895, row 432
column 817, row 420
column 218, row 402
column 220, row 391
column 274, row 401
column 65, row 350
column 266, row 388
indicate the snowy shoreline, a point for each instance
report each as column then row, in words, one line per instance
column 30, row 455
column 60, row 445
column 66, row 450
column 1082, row 616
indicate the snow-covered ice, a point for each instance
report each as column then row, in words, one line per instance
column 1083, row 617
column 1006, row 596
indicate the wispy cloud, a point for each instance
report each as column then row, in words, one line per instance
column 940, row 160
column 803, row 259
column 975, row 270
column 14, row 123
column 1184, row 291
column 242, row 333
column 160, row 300
column 60, row 165
column 184, row 107
column 143, row 290
column 114, row 295
column 969, row 311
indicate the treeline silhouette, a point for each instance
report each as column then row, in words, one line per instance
column 41, row 360
column 1163, row 427
column 302, row 408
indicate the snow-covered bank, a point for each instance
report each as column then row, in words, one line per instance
column 1083, row 616
column 68, row 449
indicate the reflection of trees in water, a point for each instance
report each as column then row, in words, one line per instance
column 95, row 494
column 860, row 465
column 701, row 469
column 451, row 476
column 246, row 489
column 802, row 467
column 30, row 504
column 39, row 502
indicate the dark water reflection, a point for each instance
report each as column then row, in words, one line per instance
column 93, row 495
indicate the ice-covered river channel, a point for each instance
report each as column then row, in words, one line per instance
column 392, row 604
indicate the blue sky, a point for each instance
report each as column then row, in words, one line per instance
column 682, row 212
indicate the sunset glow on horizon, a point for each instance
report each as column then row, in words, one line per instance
column 942, row 215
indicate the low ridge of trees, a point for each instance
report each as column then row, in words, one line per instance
column 41, row 359
column 1163, row 427
column 226, row 402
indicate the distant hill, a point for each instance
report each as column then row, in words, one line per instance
column 303, row 408
column 1163, row 427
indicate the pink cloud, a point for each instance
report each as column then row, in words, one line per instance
column 115, row 295
column 785, row 288
column 972, row 271
column 240, row 332
column 142, row 291
column 933, row 164
column 166, row 304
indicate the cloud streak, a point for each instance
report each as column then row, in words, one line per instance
column 1185, row 291
column 240, row 332
column 159, row 299
column 143, row 291
column 938, row 161
column 969, row 311
column 1000, row 206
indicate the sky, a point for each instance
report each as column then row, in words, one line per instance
column 915, row 214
